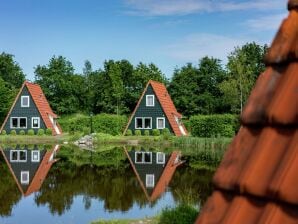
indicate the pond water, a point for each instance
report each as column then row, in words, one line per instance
column 64, row 184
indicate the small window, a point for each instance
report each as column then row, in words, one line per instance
column 14, row 156
column 147, row 157
column 35, row 156
column 160, row 158
column 149, row 180
column 143, row 157
column 160, row 123
column 148, row 123
column 139, row 157
column 35, row 122
column 14, row 122
column 22, row 155
column 25, row 101
column 139, row 123
column 24, row 177
column 150, row 100
column 23, row 122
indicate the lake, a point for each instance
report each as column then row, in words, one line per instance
column 65, row 184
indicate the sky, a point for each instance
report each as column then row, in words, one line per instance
column 168, row 33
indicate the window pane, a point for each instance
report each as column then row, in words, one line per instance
column 23, row 155
column 160, row 157
column 25, row 101
column 35, row 156
column 23, row 122
column 35, row 123
column 139, row 122
column 139, row 157
column 24, row 177
column 160, row 123
column 147, row 157
column 149, row 100
column 147, row 122
column 14, row 122
column 14, row 156
column 149, row 180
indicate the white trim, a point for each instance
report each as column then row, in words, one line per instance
column 33, row 118
column 164, row 122
column 143, row 122
column 143, row 157
column 23, row 97
column 18, row 123
column 10, row 156
column 163, row 158
column 18, row 156
column 25, row 181
column 153, row 100
column 38, row 156
column 148, row 184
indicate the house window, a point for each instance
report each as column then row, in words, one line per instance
column 150, row 100
column 24, row 177
column 160, row 158
column 143, row 123
column 149, row 180
column 24, row 101
column 18, row 156
column 35, row 156
column 35, row 122
column 18, row 122
column 143, row 157
column 160, row 123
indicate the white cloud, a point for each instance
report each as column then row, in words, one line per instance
column 193, row 47
column 271, row 22
column 183, row 7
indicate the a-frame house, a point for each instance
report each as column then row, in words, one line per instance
column 29, row 167
column 156, row 110
column 31, row 110
column 153, row 170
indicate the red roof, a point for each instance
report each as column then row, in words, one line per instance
column 166, row 103
column 257, row 180
column 41, row 104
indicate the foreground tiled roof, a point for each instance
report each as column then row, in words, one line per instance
column 257, row 181
column 166, row 103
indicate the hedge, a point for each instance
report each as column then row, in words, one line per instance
column 224, row 125
column 102, row 123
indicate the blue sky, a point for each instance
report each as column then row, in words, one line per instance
column 168, row 33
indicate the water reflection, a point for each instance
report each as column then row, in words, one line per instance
column 154, row 170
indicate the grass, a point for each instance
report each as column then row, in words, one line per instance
column 153, row 220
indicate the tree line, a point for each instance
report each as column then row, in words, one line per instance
column 204, row 88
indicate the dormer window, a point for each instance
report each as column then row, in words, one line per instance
column 150, row 100
column 24, row 101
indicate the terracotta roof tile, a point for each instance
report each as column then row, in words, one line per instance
column 257, row 179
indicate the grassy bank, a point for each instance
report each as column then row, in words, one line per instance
column 153, row 220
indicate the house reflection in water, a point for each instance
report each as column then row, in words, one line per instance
column 154, row 170
column 29, row 167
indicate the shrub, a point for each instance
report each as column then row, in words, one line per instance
column 155, row 132
column 213, row 125
column 49, row 131
column 13, row 132
column 3, row 132
column 146, row 133
column 40, row 132
column 86, row 131
column 182, row 214
column 30, row 132
column 22, row 132
column 138, row 133
column 165, row 131
column 128, row 132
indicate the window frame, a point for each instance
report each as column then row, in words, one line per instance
column 153, row 100
column 32, row 156
column 18, row 160
column 23, row 97
column 164, row 122
column 28, row 177
column 143, row 157
column 163, row 158
column 143, row 123
column 18, row 122
column 150, row 185
column 32, row 123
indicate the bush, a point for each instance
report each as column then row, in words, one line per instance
column 3, row 132
column 13, row 132
column 22, row 132
column 213, row 125
column 49, row 131
column 155, row 132
column 138, row 133
column 30, row 132
column 183, row 214
column 165, row 131
column 128, row 132
column 146, row 133
column 40, row 132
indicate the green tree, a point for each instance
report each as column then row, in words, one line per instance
column 244, row 66
column 6, row 99
column 10, row 71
